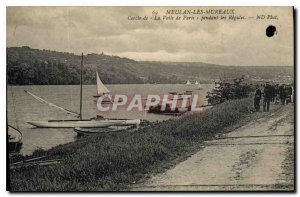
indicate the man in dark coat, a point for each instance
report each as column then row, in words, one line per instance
column 288, row 93
column 272, row 87
column 257, row 98
column 267, row 97
column 276, row 94
column 282, row 94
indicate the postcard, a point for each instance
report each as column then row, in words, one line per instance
column 150, row 99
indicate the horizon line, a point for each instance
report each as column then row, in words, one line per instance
column 113, row 55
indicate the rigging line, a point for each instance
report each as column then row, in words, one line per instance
column 52, row 105
column 16, row 130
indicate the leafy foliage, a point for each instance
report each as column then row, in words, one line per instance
column 229, row 90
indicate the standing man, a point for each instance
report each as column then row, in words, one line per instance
column 276, row 94
column 293, row 93
column 267, row 97
column 272, row 87
column 282, row 94
column 257, row 98
column 288, row 93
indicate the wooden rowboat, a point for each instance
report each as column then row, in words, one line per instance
column 93, row 131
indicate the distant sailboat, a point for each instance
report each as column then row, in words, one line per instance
column 101, row 88
column 196, row 83
column 188, row 82
column 103, row 91
column 88, row 123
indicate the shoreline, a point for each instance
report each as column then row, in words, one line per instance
column 26, row 108
column 115, row 161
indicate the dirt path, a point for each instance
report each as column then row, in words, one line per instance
column 254, row 157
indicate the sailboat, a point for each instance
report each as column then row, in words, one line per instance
column 188, row 82
column 101, row 88
column 89, row 123
column 103, row 91
column 196, row 83
column 85, row 123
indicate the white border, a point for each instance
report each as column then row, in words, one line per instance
column 149, row 3
column 5, row 3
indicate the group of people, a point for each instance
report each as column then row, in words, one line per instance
column 276, row 93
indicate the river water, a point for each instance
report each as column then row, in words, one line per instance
column 21, row 108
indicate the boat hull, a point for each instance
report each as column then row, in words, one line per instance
column 83, row 123
column 93, row 131
column 14, row 146
column 85, row 131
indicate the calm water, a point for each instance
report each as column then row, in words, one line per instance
column 21, row 107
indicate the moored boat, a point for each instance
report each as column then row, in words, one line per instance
column 168, row 111
column 88, row 123
column 93, row 131
column 14, row 139
column 84, row 123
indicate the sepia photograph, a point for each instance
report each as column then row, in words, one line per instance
column 150, row 99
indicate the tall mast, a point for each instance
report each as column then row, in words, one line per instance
column 80, row 114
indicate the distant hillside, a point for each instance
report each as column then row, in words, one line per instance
column 26, row 66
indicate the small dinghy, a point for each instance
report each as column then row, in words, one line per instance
column 168, row 111
column 14, row 139
column 93, row 131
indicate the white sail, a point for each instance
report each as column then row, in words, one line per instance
column 196, row 83
column 188, row 82
column 52, row 105
column 101, row 89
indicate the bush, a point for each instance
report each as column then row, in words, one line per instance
column 229, row 90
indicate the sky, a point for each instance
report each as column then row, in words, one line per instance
column 108, row 30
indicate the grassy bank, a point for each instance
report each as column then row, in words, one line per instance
column 113, row 161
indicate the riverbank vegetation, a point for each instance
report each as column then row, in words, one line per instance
column 113, row 161
column 227, row 90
